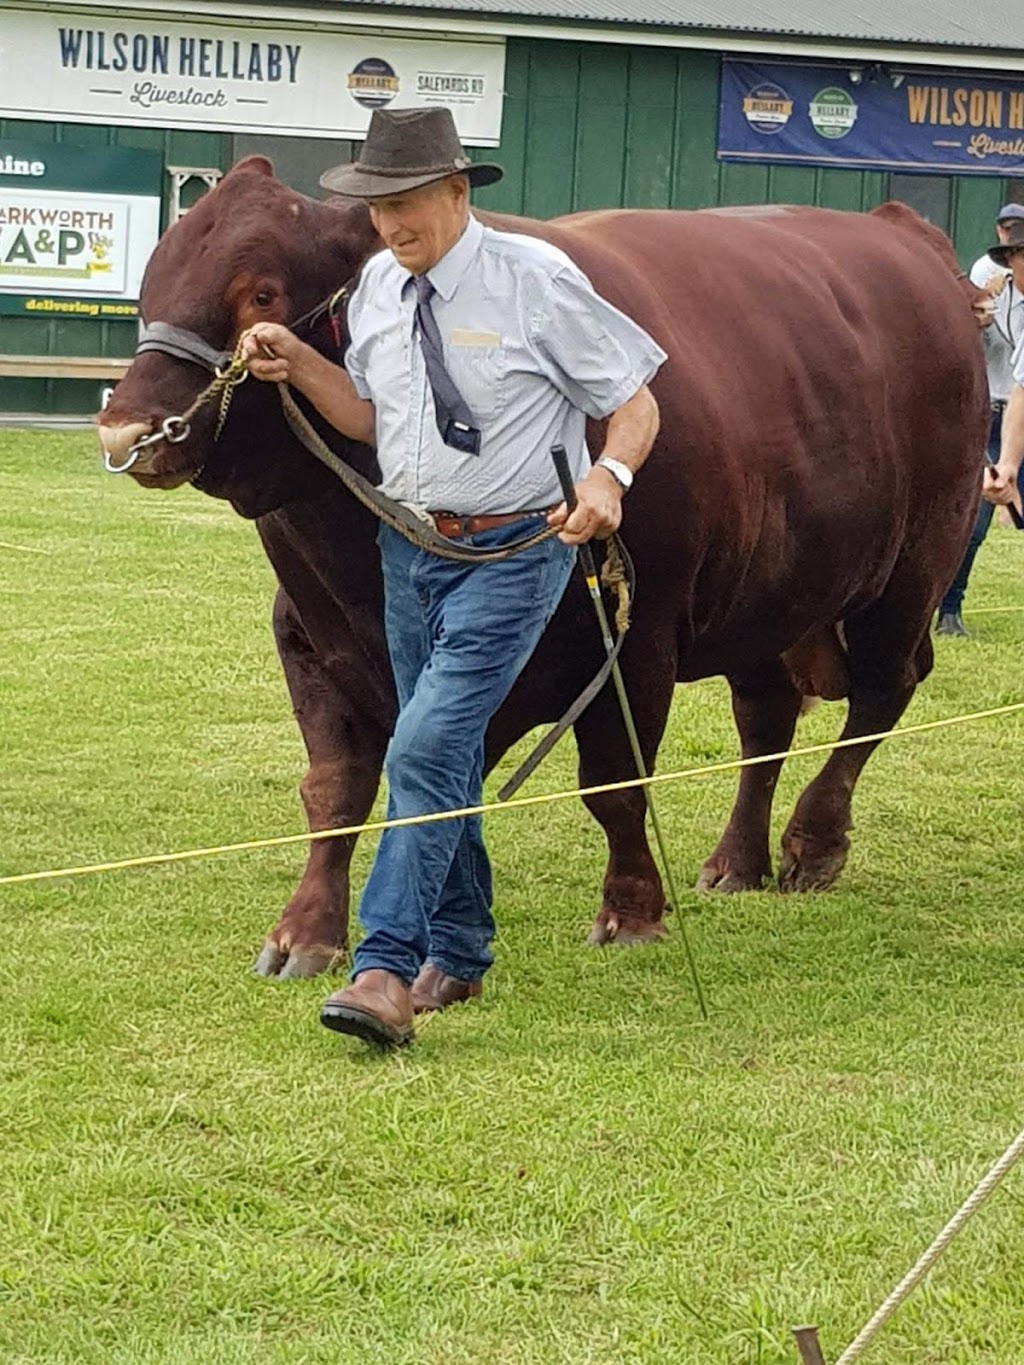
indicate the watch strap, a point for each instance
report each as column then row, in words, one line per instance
column 620, row 472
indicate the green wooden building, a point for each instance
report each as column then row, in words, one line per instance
column 591, row 103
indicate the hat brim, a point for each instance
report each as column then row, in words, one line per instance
column 355, row 183
column 999, row 253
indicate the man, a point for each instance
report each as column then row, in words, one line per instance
column 472, row 353
column 1001, row 485
column 985, row 269
column 1003, row 276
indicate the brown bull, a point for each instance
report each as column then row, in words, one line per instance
column 808, row 499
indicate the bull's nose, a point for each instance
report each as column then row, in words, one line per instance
column 118, row 441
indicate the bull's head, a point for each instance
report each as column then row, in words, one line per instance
column 252, row 250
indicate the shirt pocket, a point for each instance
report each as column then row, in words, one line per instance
column 478, row 364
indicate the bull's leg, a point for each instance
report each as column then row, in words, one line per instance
column 633, row 902
column 889, row 653
column 346, row 753
column 765, row 705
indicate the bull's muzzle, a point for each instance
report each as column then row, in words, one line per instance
column 118, row 460
column 171, row 432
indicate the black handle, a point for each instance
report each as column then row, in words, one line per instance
column 561, row 460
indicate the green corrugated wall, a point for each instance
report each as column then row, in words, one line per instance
column 585, row 126
column 588, row 126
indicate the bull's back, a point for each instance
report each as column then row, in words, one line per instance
column 824, row 377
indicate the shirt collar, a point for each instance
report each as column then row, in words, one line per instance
column 445, row 276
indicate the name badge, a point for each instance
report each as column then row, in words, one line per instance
column 460, row 337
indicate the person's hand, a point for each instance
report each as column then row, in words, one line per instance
column 984, row 310
column 270, row 352
column 1000, row 486
column 598, row 510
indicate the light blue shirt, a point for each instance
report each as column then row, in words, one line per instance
column 530, row 346
column 1002, row 340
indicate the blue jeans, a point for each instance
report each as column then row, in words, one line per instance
column 954, row 597
column 459, row 636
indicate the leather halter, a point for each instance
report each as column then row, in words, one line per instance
column 181, row 344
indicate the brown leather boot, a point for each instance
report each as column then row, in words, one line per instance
column 433, row 989
column 377, row 1008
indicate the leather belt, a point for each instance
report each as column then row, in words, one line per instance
column 452, row 525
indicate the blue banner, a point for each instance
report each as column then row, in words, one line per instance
column 871, row 116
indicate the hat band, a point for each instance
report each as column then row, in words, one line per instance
column 460, row 163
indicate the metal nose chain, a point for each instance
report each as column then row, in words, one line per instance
column 455, row 422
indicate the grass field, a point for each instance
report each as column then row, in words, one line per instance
column 577, row 1170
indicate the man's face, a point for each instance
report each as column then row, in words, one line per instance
column 1015, row 260
column 422, row 225
column 1003, row 230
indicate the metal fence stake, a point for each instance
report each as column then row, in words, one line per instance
column 807, row 1343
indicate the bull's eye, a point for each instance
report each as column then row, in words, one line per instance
column 263, row 298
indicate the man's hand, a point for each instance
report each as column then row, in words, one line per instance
column 984, row 309
column 1000, row 486
column 628, row 438
column 272, row 352
column 598, row 510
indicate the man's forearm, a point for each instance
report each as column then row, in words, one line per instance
column 331, row 391
column 1011, row 447
column 632, row 429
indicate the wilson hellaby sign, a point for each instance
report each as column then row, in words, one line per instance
column 78, row 66
column 868, row 115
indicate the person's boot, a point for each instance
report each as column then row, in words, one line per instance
column 377, row 1008
column 434, row 989
column 951, row 623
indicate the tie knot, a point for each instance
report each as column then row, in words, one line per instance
column 424, row 289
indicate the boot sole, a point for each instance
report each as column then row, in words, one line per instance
column 367, row 1027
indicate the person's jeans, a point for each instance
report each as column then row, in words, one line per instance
column 458, row 636
column 954, row 597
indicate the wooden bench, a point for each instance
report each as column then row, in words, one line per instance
column 99, row 368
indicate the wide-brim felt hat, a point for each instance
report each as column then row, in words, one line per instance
column 404, row 149
column 1014, row 241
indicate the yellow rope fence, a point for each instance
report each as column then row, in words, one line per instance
column 546, row 798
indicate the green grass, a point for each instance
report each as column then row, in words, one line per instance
column 578, row 1170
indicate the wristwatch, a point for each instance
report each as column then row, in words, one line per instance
column 621, row 473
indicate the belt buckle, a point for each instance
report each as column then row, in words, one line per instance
column 460, row 523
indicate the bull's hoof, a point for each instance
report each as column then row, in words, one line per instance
column 720, row 875
column 810, row 864
column 299, row 961
column 625, row 931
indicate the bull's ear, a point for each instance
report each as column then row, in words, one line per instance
column 258, row 165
